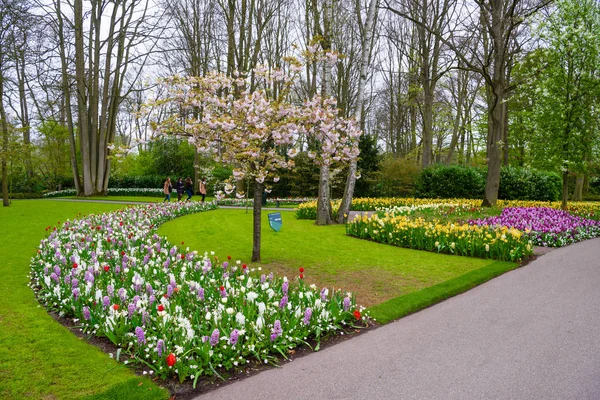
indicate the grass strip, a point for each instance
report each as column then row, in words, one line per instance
column 401, row 306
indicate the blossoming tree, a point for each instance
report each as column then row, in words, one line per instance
column 251, row 123
column 247, row 124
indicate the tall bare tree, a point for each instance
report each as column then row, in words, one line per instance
column 366, row 50
column 489, row 54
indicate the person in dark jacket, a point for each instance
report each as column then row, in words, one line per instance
column 179, row 186
column 189, row 188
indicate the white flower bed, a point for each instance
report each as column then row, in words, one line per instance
column 172, row 310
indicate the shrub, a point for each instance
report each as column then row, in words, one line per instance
column 16, row 196
column 450, row 181
column 396, row 178
column 529, row 184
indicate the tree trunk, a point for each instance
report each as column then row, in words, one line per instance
column 505, row 135
column 324, row 206
column 82, row 100
column 196, row 166
column 66, row 92
column 20, row 67
column 257, row 208
column 344, row 210
column 494, row 149
column 565, row 191
column 5, row 200
column 578, row 195
column 496, row 118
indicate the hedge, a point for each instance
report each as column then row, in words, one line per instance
column 516, row 183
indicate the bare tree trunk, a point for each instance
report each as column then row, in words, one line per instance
column 324, row 201
column 496, row 93
column 344, row 210
column 494, row 151
column 578, row 195
column 565, row 190
column 196, row 166
column 256, row 226
column 25, row 124
column 5, row 200
column 66, row 92
column 323, row 204
column 82, row 100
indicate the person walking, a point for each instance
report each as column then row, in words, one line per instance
column 167, row 189
column 189, row 188
column 202, row 188
column 179, row 187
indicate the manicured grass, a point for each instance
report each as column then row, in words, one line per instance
column 38, row 357
column 376, row 273
column 413, row 302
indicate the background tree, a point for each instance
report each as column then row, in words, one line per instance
column 567, row 90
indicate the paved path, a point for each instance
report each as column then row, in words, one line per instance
column 533, row 333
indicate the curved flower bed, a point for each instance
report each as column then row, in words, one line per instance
column 174, row 311
column 151, row 192
column 499, row 243
column 545, row 226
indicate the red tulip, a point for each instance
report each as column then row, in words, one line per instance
column 357, row 314
column 222, row 288
column 115, row 307
column 75, row 265
column 160, row 308
column 171, row 359
column 183, row 256
column 106, row 268
column 301, row 276
column 301, row 269
column 229, row 257
column 244, row 266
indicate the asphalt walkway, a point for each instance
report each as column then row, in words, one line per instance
column 533, row 333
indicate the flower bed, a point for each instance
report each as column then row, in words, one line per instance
column 308, row 210
column 173, row 311
column 499, row 243
column 150, row 192
column 545, row 226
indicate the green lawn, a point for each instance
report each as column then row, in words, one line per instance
column 376, row 273
column 40, row 359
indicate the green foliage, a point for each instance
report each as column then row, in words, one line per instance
column 529, row 184
column 450, row 181
column 564, row 93
column 129, row 181
column 25, row 195
column 369, row 165
column 397, row 177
